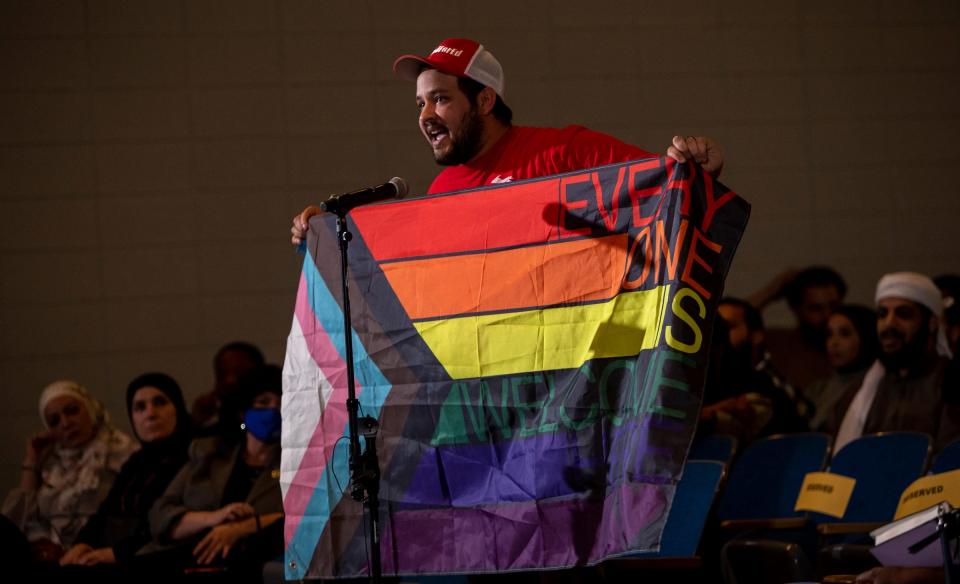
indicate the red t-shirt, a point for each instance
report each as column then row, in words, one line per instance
column 525, row 152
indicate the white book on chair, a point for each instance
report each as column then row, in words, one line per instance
column 892, row 541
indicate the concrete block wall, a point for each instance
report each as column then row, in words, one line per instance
column 152, row 152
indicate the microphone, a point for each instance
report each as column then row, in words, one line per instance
column 341, row 204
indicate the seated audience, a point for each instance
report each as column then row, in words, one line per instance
column 158, row 415
column 905, row 388
column 68, row 469
column 812, row 294
column 852, row 348
column 230, row 364
column 224, row 507
column 744, row 395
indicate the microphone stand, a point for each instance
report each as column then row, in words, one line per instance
column 364, row 467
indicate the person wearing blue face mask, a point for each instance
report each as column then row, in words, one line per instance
column 224, row 509
column 263, row 423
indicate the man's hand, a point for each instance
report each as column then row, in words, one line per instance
column 744, row 415
column 301, row 223
column 774, row 289
column 98, row 556
column 219, row 541
column 699, row 149
column 75, row 553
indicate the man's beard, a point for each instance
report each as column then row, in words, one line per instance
column 911, row 352
column 465, row 144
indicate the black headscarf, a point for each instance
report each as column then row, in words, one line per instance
column 169, row 387
column 121, row 521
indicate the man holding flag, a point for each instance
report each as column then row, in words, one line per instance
column 464, row 118
column 534, row 346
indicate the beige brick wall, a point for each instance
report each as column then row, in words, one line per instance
column 152, row 152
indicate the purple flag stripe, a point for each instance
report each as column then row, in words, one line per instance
column 539, row 467
column 557, row 533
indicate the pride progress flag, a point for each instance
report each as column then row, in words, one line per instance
column 535, row 353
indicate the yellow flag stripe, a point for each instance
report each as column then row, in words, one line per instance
column 550, row 338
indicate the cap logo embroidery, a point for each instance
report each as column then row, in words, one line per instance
column 448, row 50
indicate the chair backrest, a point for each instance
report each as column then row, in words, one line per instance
column 692, row 501
column 718, row 447
column 947, row 459
column 765, row 480
column 883, row 465
column 691, row 506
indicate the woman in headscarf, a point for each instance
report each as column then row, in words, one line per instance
column 852, row 346
column 224, row 507
column 159, row 418
column 68, row 469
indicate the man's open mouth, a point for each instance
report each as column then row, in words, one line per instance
column 436, row 134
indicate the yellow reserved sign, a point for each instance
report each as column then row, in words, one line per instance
column 825, row 493
column 927, row 491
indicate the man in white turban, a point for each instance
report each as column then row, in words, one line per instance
column 904, row 389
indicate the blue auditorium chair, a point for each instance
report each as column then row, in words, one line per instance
column 692, row 502
column 718, row 447
column 883, row 465
column 764, row 481
column 947, row 459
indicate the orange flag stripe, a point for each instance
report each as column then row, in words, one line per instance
column 515, row 279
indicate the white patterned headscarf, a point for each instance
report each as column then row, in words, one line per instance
column 73, row 480
column 66, row 387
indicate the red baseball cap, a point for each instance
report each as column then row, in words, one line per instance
column 460, row 57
